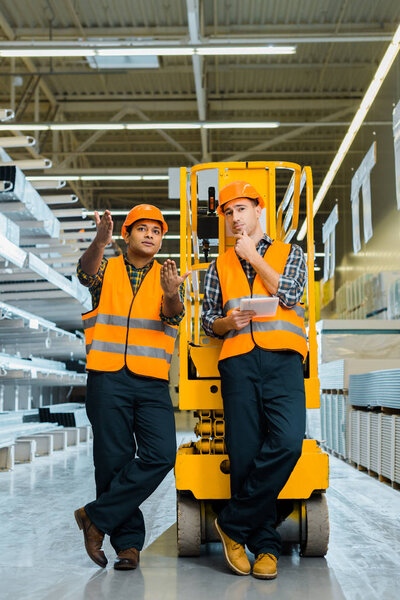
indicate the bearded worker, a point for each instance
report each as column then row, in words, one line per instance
column 262, row 380
column 130, row 336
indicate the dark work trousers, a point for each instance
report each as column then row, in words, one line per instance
column 264, row 404
column 134, row 447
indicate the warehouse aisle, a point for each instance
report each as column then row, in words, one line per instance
column 42, row 555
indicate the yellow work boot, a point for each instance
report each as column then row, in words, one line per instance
column 235, row 555
column 265, row 566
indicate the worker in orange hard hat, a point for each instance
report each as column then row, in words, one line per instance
column 262, row 381
column 130, row 336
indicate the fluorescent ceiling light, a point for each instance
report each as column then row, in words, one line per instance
column 141, row 126
column 118, row 212
column 244, row 50
column 165, row 237
column 241, row 125
column 99, row 177
column 186, row 51
column 86, row 126
column 137, row 126
column 356, row 123
column 47, row 50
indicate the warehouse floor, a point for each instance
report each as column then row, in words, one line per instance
column 42, row 554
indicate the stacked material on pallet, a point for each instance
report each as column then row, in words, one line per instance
column 37, row 371
column 335, row 375
column 13, row 424
column 374, row 443
column 333, row 428
column 22, row 203
column 25, row 334
column 68, row 414
column 394, row 300
column 361, row 339
column 379, row 388
column 378, row 292
column 334, row 422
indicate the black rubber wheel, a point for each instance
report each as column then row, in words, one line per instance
column 188, row 525
column 317, row 527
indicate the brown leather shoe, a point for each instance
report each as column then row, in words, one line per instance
column 235, row 555
column 265, row 567
column 93, row 537
column 128, row 559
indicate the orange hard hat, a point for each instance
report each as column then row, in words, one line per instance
column 144, row 211
column 235, row 190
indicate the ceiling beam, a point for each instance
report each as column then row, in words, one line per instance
column 108, row 105
column 228, row 67
column 91, row 140
column 381, row 30
column 287, row 136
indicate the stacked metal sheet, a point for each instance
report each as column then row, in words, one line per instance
column 334, row 425
column 22, row 203
column 335, row 375
column 25, row 334
column 68, row 415
column 379, row 388
column 20, row 371
column 375, row 443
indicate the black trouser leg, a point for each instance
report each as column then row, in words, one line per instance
column 119, row 406
column 264, row 403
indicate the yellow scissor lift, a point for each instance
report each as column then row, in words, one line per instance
column 202, row 467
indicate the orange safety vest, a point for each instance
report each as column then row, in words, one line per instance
column 284, row 331
column 128, row 331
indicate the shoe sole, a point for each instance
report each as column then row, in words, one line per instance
column 125, row 567
column 272, row 576
column 80, row 525
column 230, row 565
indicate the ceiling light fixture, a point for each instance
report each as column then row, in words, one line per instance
column 98, row 177
column 42, row 50
column 356, row 123
column 121, row 212
column 137, row 126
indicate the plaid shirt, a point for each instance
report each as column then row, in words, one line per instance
column 290, row 290
column 136, row 276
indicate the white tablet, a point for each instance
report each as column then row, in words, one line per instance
column 264, row 307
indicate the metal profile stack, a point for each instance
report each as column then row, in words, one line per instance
column 335, row 402
column 25, row 334
column 378, row 388
column 35, row 242
column 375, row 443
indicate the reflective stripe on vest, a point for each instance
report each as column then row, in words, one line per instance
column 128, row 331
column 284, row 331
column 119, row 321
column 131, row 350
column 268, row 326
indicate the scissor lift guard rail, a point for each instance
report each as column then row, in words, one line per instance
column 202, row 467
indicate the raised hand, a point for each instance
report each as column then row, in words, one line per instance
column 240, row 318
column 170, row 280
column 104, row 228
column 245, row 246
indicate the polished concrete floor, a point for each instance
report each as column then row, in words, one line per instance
column 42, row 555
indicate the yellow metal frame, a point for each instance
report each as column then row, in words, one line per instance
column 201, row 473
